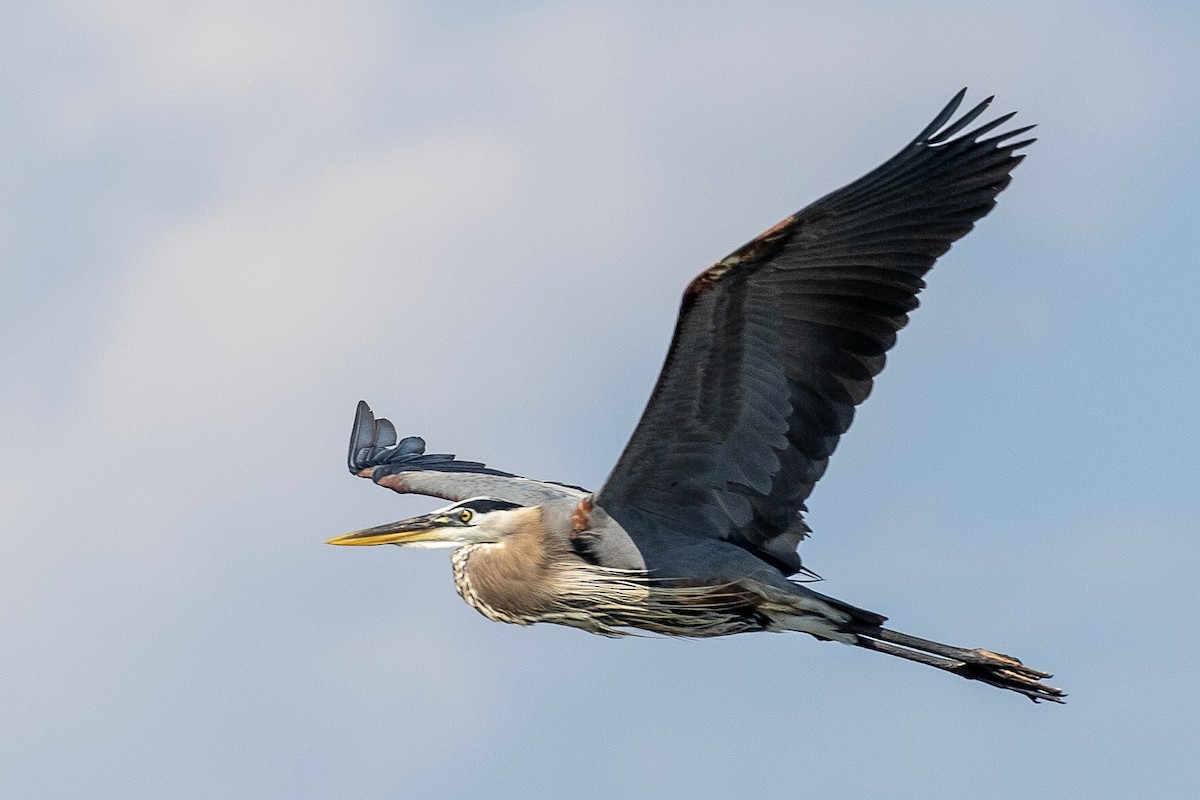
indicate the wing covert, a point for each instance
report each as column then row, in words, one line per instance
column 405, row 467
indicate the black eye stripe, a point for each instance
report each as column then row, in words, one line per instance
column 485, row 504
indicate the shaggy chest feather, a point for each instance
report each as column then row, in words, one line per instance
column 507, row 585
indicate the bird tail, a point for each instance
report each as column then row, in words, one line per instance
column 859, row 617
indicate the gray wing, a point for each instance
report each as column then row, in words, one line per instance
column 405, row 467
column 777, row 343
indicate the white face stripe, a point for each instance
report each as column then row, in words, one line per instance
column 472, row 503
column 488, row 522
column 431, row 545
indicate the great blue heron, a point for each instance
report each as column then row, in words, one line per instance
column 694, row 532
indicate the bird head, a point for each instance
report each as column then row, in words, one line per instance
column 473, row 521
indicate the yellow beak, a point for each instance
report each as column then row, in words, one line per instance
column 418, row 529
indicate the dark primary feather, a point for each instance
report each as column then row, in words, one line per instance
column 777, row 343
column 373, row 446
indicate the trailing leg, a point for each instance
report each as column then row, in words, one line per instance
column 1004, row 672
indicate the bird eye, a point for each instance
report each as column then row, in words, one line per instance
column 465, row 515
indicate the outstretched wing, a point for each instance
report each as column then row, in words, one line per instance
column 777, row 343
column 405, row 467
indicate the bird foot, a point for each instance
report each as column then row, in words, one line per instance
column 1001, row 661
column 1009, row 673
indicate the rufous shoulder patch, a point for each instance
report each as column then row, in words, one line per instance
column 581, row 518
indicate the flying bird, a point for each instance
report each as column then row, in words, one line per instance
column 694, row 533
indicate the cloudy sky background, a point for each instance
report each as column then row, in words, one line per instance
column 223, row 224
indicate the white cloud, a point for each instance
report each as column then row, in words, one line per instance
column 122, row 59
column 232, row 308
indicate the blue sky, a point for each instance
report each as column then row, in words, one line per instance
column 225, row 223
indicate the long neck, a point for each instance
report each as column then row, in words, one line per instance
column 513, row 580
